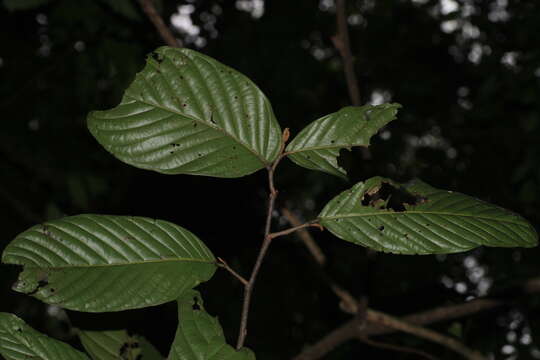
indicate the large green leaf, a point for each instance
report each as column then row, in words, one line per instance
column 416, row 218
column 117, row 344
column 317, row 146
column 186, row 113
column 18, row 341
column 199, row 336
column 98, row 263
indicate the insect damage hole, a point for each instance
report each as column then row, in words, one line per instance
column 196, row 305
column 389, row 197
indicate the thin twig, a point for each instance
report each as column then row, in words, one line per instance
column 222, row 263
column 312, row 223
column 306, row 238
column 428, row 334
column 248, row 289
column 397, row 348
column 342, row 43
column 157, row 20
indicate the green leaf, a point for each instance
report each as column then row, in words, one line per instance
column 14, row 5
column 199, row 336
column 416, row 218
column 317, row 146
column 18, row 341
column 117, row 344
column 97, row 263
column 186, row 113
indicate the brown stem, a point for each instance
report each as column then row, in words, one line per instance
column 248, row 288
column 157, row 20
column 312, row 223
column 342, row 43
column 306, row 238
column 222, row 263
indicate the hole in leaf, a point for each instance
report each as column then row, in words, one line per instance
column 389, row 197
column 157, row 57
column 196, row 305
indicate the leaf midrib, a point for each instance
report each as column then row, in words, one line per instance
column 202, row 122
column 403, row 213
column 207, row 124
column 155, row 261
column 323, row 147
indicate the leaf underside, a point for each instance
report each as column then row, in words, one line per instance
column 199, row 336
column 98, row 263
column 416, row 218
column 317, row 146
column 117, row 344
column 186, row 113
column 18, row 341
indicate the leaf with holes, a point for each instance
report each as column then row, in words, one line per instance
column 98, row 263
column 199, row 335
column 317, row 146
column 186, row 113
column 18, row 341
column 117, row 344
column 416, row 218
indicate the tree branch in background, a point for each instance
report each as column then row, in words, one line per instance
column 157, row 20
column 343, row 45
column 363, row 326
column 397, row 348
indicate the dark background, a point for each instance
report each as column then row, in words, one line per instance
column 467, row 73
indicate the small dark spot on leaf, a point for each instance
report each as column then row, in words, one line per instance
column 184, row 105
column 181, row 77
column 199, row 154
column 332, row 141
column 406, row 235
column 380, row 228
column 171, row 152
column 234, row 147
column 18, row 329
column 236, row 98
column 53, row 290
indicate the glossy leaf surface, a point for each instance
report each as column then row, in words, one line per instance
column 98, row 263
column 199, row 336
column 416, row 218
column 117, row 344
column 18, row 341
column 317, row 146
column 186, row 113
